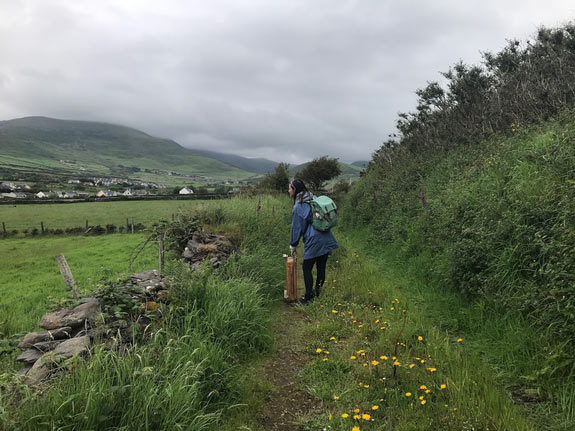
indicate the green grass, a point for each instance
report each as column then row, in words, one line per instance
column 187, row 376
column 359, row 300
column 61, row 216
column 30, row 274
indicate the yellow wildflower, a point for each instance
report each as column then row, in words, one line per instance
column 366, row 386
column 334, row 311
column 423, row 402
column 356, row 417
column 365, row 417
column 459, row 340
column 408, row 394
column 377, row 321
column 331, row 338
column 383, row 357
column 355, row 429
column 329, row 417
column 443, row 386
column 421, row 397
column 432, row 370
column 427, row 391
column 374, row 407
column 318, row 350
column 352, row 357
column 360, row 326
column 325, row 359
column 374, row 363
column 344, row 415
column 411, row 365
column 392, row 308
column 397, row 363
column 422, row 387
column 420, row 338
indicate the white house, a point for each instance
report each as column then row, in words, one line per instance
column 41, row 195
column 128, row 192
column 186, row 191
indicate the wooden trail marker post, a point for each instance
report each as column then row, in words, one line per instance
column 290, row 292
column 67, row 274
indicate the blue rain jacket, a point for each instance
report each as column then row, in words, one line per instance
column 316, row 243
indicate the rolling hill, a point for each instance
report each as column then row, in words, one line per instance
column 69, row 147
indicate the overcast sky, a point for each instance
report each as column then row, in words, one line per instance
column 288, row 80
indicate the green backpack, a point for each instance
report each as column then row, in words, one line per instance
column 324, row 213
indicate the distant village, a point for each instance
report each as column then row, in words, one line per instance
column 11, row 190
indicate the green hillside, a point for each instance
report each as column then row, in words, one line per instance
column 71, row 147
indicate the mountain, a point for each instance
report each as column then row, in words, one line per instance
column 68, row 147
column 260, row 166
column 361, row 163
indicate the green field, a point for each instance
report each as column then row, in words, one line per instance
column 62, row 216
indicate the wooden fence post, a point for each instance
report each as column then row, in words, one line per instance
column 161, row 247
column 86, row 224
column 4, row 229
column 42, row 227
column 67, row 274
column 127, row 224
column 132, row 224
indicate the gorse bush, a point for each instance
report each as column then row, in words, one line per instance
column 497, row 224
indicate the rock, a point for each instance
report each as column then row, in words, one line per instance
column 24, row 370
column 46, row 346
column 74, row 346
column 152, row 274
column 38, row 337
column 89, row 300
column 74, row 318
column 163, row 295
column 213, row 260
column 29, row 356
column 39, row 371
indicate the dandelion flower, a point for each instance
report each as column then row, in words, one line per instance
column 459, row 340
column 336, row 397
column 326, row 352
column 374, row 407
column 443, row 386
column 397, row 363
column 422, row 361
column 383, row 357
column 408, row 394
column 355, row 429
column 334, row 311
column 392, row 308
column 352, row 357
column 421, row 397
column 374, row 363
column 427, row 391
column 318, row 350
column 382, row 328
column 377, row 321
column 329, row 417
column 423, row 402
column 360, row 326
column 420, row 338
column 366, row 417
column 356, row 417
column 325, row 359
column 432, row 370
column 423, row 387
column 411, row 365
column 331, row 338
column 356, row 411
column 344, row 415
column 366, row 386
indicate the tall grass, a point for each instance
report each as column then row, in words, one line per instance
column 186, row 375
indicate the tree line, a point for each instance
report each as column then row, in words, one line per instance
column 524, row 83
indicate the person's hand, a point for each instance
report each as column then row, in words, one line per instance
column 292, row 250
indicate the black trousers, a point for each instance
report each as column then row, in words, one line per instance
column 307, row 266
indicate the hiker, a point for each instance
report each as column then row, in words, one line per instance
column 317, row 245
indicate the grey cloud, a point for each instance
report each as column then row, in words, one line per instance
column 288, row 80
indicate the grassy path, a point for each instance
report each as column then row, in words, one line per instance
column 288, row 404
column 366, row 356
